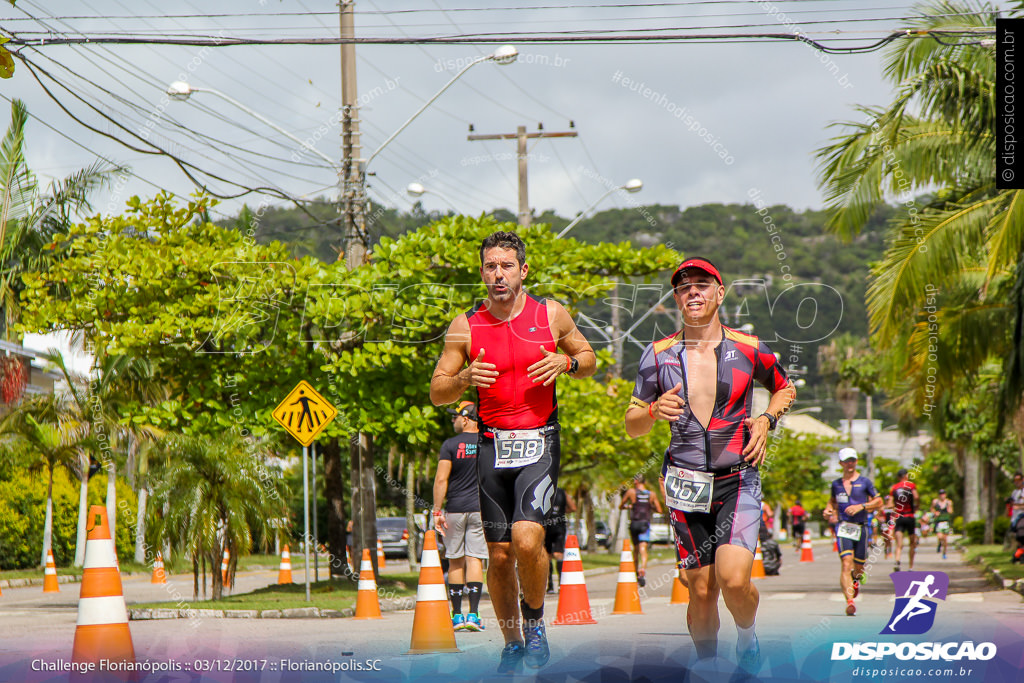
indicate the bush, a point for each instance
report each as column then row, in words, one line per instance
column 1001, row 526
column 975, row 531
column 958, row 525
column 23, row 514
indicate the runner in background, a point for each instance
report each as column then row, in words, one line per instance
column 555, row 529
column 853, row 497
column 943, row 509
column 640, row 500
column 903, row 497
column 459, row 522
column 797, row 515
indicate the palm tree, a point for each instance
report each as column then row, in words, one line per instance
column 958, row 251
column 30, row 217
column 218, row 496
column 98, row 404
column 44, row 425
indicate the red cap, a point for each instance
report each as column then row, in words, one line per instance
column 700, row 264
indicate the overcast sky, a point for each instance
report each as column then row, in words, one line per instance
column 757, row 110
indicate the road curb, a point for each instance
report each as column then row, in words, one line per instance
column 994, row 575
column 150, row 613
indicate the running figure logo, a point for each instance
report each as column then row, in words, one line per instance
column 916, row 593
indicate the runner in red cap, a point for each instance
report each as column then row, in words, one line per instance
column 701, row 380
column 507, row 347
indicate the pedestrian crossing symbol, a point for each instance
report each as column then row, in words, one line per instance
column 304, row 413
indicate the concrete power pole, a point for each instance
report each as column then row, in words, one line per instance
column 353, row 189
column 521, row 136
column 353, row 205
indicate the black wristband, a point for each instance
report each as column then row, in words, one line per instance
column 772, row 421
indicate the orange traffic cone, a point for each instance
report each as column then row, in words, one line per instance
column 432, row 629
column 50, row 574
column 102, row 632
column 835, row 543
column 367, row 605
column 680, row 593
column 573, row 601
column 159, row 575
column 381, row 561
column 627, row 595
column 806, row 554
column 224, row 568
column 284, row 571
column 757, row 569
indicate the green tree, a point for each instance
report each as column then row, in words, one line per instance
column 947, row 296
column 218, row 496
column 44, row 425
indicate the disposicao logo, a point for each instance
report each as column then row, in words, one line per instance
column 916, row 593
column 914, row 614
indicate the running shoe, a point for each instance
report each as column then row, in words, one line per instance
column 537, row 650
column 641, row 580
column 851, row 608
column 511, row 657
column 750, row 659
column 473, row 623
column 897, row 568
column 856, row 588
column 459, row 622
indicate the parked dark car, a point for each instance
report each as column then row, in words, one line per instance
column 602, row 534
column 394, row 536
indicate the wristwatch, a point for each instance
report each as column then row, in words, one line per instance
column 772, row 421
column 574, row 365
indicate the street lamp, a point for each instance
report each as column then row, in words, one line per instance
column 417, row 190
column 506, row 54
column 632, row 186
column 181, row 91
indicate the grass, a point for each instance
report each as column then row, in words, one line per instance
column 995, row 557
column 607, row 559
column 126, row 567
column 337, row 594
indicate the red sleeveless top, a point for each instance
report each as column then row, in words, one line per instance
column 514, row 401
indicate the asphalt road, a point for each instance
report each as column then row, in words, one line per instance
column 801, row 616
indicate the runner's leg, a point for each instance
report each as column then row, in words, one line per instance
column 504, row 590
column 702, row 612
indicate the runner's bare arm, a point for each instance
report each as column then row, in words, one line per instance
column 778, row 404
column 571, row 341
column 570, row 506
column 655, row 502
column 450, row 378
column 627, row 499
column 444, row 469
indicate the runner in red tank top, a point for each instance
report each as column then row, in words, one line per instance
column 507, row 347
column 903, row 496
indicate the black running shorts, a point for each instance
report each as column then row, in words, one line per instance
column 512, row 495
column 734, row 519
column 907, row 525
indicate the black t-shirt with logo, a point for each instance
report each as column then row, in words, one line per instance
column 463, row 485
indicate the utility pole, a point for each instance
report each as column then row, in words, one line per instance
column 521, row 136
column 353, row 205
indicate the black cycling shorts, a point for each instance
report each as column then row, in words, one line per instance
column 513, row 495
column 859, row 548
column 554, row 538
column 907, row 525
column 734, row 519
column 798, row 531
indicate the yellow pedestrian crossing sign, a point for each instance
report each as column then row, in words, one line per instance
column 304, row 413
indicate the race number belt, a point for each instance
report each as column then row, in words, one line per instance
column 849, row 530
column 517, row 447
column 688, row 490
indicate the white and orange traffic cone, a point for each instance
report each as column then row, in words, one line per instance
column 367, row 605
column 432, row 629
column 381, row 560
column 284, row 571
column 573, row 601
column 224, row 568
column 757, row 569
column 159, row 575
column 102, row 631
column 806, row 553
column 680, row 592
column 627, row 595
column 835, row 542
column 50, row 574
